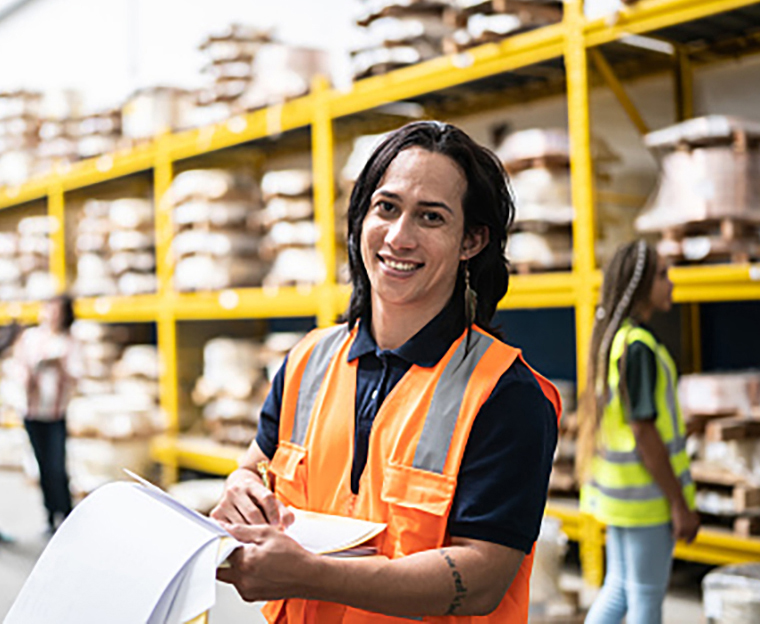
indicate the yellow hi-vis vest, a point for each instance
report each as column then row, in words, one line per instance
column 621, row 491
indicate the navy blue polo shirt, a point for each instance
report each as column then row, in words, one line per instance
column 504, row 475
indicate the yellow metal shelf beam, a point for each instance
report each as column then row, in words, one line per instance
column 449, row 71
column 195, row 454
column 11, row 196
column 712, row 546
column 135, row 309
column 540, row 290
column 21, row 311
column 651, row 15
column 706, row 283
column 248, row 303
column 269, row 122
column 569, row 516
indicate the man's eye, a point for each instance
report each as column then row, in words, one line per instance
column 432, row 217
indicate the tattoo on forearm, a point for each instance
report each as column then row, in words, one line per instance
column 460, row 591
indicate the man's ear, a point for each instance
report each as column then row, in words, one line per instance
column 474, row 242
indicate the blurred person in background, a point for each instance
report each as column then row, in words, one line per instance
column 632, row 448
column 413, row 413
column 8, row 335
column 49, row 360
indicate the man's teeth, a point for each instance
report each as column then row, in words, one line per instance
column 401, row 266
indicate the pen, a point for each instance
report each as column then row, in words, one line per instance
column 263, row 469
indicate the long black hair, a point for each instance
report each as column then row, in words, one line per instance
column 487, row 202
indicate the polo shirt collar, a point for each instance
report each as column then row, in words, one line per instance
column 426, row 347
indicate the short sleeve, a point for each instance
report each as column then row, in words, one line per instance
column 268, row 434
column 641, row 379
column 504, row 476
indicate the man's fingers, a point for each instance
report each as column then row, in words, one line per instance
column 270, row 506
column 248, row 534
column 287, row 517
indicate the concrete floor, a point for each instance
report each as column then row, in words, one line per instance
column 21, row 516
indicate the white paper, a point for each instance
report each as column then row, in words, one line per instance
column 325, row 534
column 112, row 560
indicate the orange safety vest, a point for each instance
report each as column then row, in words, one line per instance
column 418, row 438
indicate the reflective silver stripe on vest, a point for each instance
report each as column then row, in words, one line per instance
column 672, row 405
column 316, row 368
column 639, row 493
column 440, row 422
column 630, row 457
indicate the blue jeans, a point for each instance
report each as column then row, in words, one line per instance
column 638, row 570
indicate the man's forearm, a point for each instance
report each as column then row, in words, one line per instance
column 448, row 581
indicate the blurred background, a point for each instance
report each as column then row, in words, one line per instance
column 182, row 168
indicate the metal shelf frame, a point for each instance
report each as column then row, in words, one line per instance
column 572, row 44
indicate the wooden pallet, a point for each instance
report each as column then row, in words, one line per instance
column 730, row 239
column 546, row 12
column 741, row 496
column 733, row 428
column 696, row 422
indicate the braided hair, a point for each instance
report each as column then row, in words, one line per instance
column 627, row 284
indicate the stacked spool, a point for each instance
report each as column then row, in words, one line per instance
column 230, row 55
column 115, row 248
column 235, row 381
column 722, row 415
column 538, row 164
column 215, row 245
column 57, row 146
column 19, row 135
column 98, row 133
column 489, row 21
column 400, row 33
column 34, row 257
column 11, row 278
column 289, row 232
column 115, row 409
column 248, row 70
column 153, row 111
column 707, row 205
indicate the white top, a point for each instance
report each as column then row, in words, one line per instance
column 53, row 361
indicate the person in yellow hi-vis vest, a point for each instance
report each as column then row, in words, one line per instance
column 633, row 442
column 412, row 413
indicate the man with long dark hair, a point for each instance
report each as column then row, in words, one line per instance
column 412, row 412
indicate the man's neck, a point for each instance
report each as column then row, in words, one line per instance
column 392, row 327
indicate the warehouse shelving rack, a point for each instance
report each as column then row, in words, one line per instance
column 699, row 31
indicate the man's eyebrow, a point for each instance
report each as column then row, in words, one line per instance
column 429, row 204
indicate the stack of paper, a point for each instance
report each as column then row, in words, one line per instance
column 131, row 553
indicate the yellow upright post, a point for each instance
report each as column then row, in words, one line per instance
column 684, row 85
column 58, row 236
column 324, row 195
column 584, row 260
column 166, row 321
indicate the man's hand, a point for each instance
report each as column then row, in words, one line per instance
column 270, row 566
column 247, row 501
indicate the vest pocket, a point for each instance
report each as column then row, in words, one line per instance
column 418, row 505
column 289, row 467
